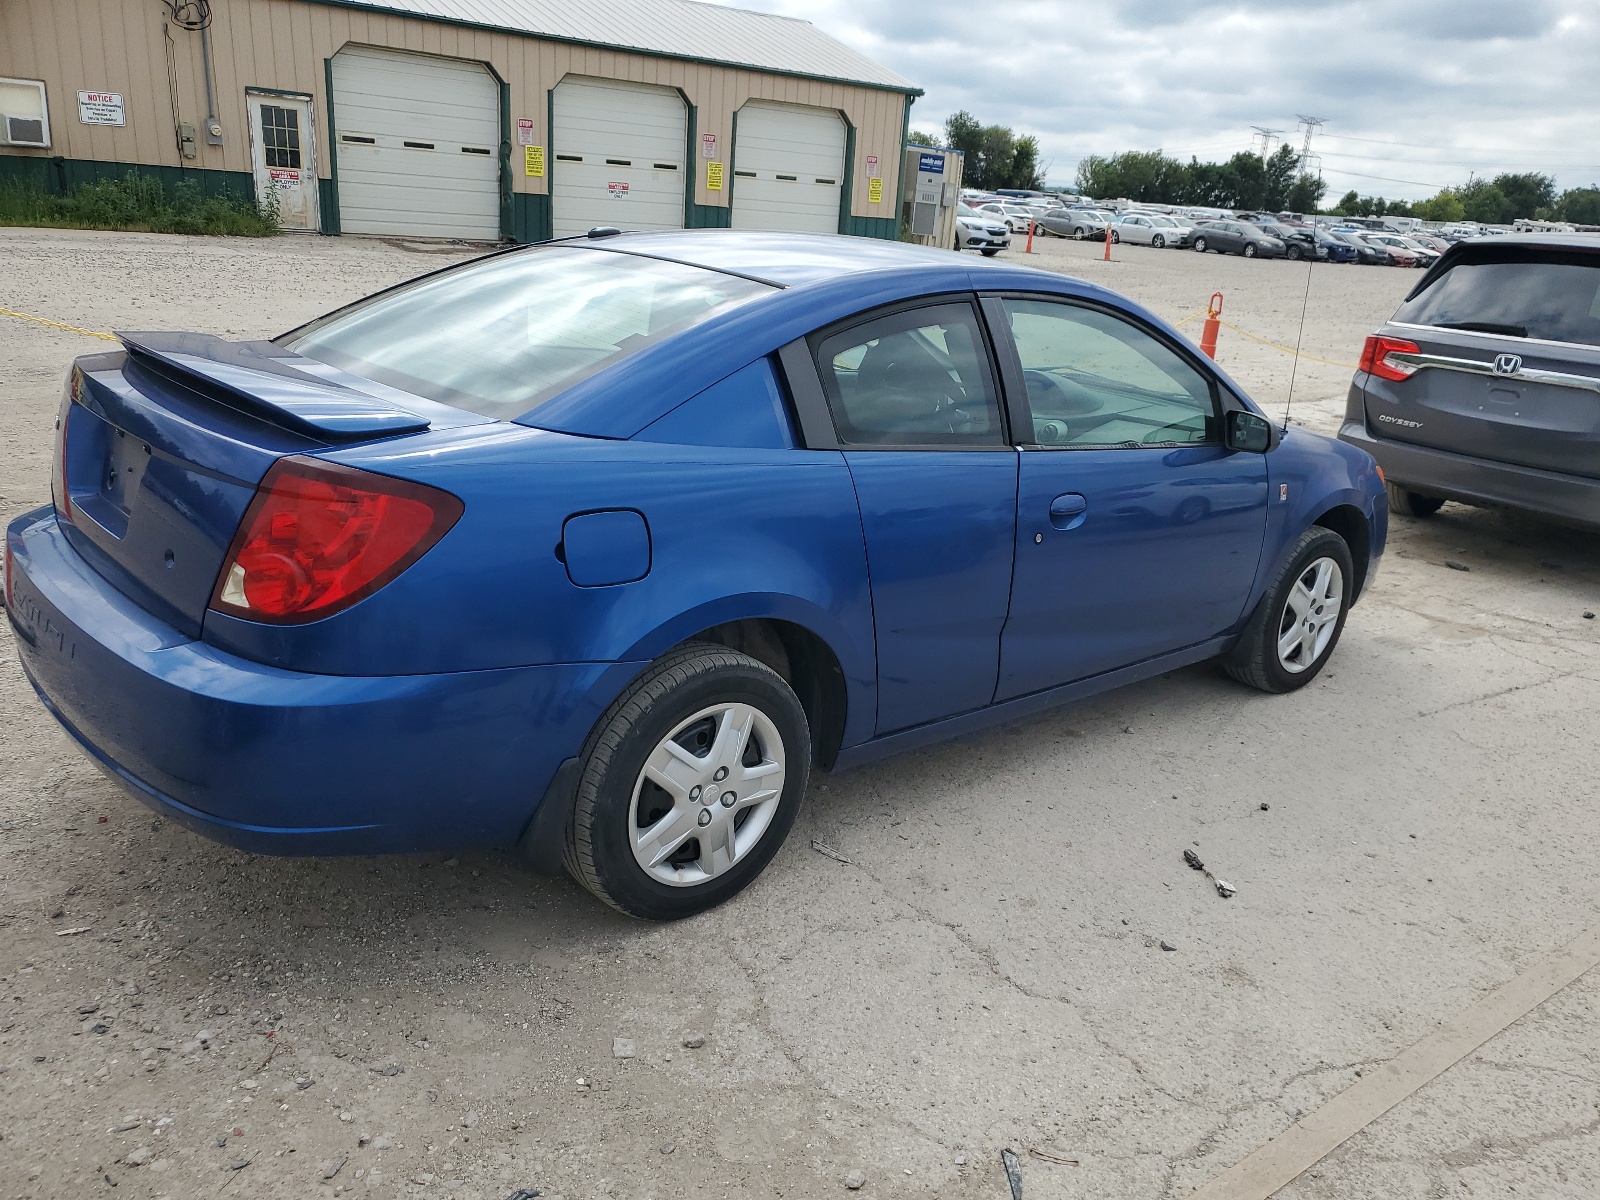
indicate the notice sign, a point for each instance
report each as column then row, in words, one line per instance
column 618, row 189
column 713, row 177
column 524, row 131
column 101, row 108
column 284, row 176
column 533, row 161
column 872, row 164
column 875, row 190
column 708, row 145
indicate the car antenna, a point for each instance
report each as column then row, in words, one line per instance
column 1305, row 301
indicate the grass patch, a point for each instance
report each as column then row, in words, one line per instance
column 138, row 202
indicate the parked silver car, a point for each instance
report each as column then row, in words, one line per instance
column 1072, row 222
column 1149, row 229
column 980, row 231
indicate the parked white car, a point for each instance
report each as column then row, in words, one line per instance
column 1016, row 217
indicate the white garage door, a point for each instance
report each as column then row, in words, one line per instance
column 788, row 168
column 618, row 156
column 417, row 141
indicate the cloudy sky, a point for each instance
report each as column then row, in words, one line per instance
column 1415, row 94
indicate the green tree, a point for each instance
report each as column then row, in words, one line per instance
column 1484, row 203
column 1581, row 206
column 1446, row 206
column 1526, row 194
column 995, row 156
column 1348, row 204
column 915, row 137
column 1279, row 174
column 1305, row 193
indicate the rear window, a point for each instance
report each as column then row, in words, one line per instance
column 502, row 336
column 1553, row 295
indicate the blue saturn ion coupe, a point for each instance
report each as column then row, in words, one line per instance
column 597, row 548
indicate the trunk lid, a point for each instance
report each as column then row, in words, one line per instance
column 1501, row 398
column 162, row 445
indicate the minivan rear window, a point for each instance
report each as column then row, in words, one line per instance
column 1553, row 295
column 501, row 336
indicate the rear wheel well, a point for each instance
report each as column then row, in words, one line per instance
column 1349, row 523
column 807, row 665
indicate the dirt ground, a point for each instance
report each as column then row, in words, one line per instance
column 1417, row 828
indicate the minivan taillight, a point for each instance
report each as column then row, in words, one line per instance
column 320, row 536
column 1375, row 357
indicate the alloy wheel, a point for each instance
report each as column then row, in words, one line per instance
column 707, row 794
column 1310, row 615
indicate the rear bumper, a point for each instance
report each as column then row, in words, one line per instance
column 284, row 762
column 1481, row 481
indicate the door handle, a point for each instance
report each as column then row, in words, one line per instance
column 1067, row 510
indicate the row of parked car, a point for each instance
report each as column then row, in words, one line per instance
column 988, row 222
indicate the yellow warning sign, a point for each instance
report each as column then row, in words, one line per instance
column 713, row 177
column 875, row 190
column 533, row 161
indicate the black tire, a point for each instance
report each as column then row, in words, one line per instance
column 598, row 854
column 1411, row 504
column 1158, row 241
column 1292, row 253
column 1254, row 659
column 1116, row 238
column 1200, row 244
column 991, row 252
column 1249, row 250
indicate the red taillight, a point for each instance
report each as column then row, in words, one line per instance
column 1375, row 357
column 319, row 536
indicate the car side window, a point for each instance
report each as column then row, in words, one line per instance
column 1096, row 380
column 915, row 378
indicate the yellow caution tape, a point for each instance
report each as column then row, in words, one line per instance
column 22, row 316
column 1286, row 349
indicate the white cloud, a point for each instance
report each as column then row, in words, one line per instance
column 1416, row 94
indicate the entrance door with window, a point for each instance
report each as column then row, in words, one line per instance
column 915, row 410
column 281, row 158
column 1138, row 531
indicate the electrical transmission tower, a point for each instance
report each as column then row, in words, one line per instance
column 1268, row 136
column 1311, row 124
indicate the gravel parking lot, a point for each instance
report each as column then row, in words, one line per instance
column 1415, row 829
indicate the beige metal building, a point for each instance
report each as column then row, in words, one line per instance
column 479, row 119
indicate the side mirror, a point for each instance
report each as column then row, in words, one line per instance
column 1248, row 431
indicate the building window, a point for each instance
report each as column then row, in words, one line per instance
column 24, row 120
column 280, row 136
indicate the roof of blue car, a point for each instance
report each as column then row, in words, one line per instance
column 786, row 259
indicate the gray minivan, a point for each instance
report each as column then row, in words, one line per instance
column 1484, row 386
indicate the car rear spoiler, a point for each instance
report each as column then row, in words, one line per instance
column 262, row 380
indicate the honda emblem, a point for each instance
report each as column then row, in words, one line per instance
column 1507, row 364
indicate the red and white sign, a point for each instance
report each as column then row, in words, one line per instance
column 524, row 131
column 708, row 145
column 101, row 108
column 284, row 176
column 872, row 164
column 618, row 189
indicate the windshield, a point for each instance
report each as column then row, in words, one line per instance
column 1552, row 295
column 502, row 336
